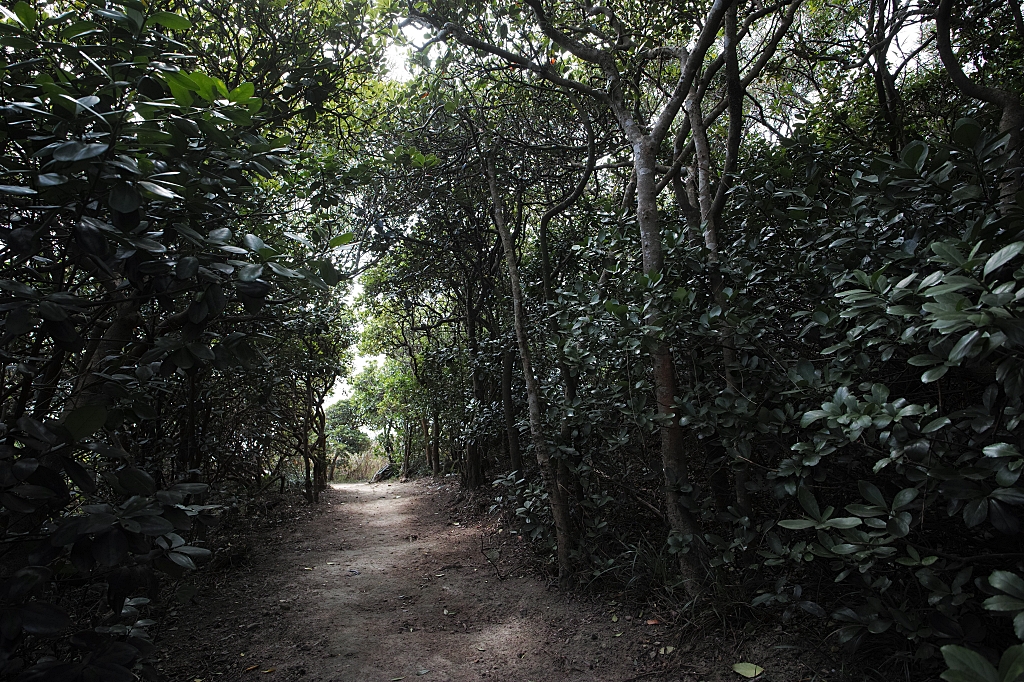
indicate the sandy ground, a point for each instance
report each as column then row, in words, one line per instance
column 382, row 583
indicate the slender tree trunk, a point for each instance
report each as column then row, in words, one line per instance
column 473, row 474
column 508, row 407
column 673, row 460
column 406, row 451
column 556, row 495
column 425, row 425
column 710, row 209
column 435, row 463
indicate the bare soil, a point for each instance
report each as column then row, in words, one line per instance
column 395, row 581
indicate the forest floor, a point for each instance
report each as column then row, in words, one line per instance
column 412, row 581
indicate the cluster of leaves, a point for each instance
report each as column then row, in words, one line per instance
column 149, row 335
column 848, row 361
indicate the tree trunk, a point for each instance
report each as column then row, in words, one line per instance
column 407, row 454
column 556, row 495
column 1012, row 119
column 425, row 425
column 508, row 407
column 673, row 461
column 435, row 463
column 473, row 474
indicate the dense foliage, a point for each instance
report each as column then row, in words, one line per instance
column 750, row 307
column 164, row 329
column 723, row 297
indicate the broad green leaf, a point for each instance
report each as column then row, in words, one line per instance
column 169, row 20
column 797, row 524
column 85, row 421
column 748, row 670
column 157, row 191
column 242, row 93
column 1007, row 582
column 1001, row 450
column 26, row 15
column 342, row 239
column 1003, row 256
column 1011, row 664
column 936, row 424
column 970, row 663
column 124, row 198
column 934, row 374
column 1002, row 602
column 17, row 190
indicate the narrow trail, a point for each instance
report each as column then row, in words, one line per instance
column 383, row 585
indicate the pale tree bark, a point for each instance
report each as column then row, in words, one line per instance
column 545, row 461
column 645, row 139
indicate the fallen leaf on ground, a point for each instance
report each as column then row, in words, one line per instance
column 422, row 672
column 251, row 667
column 748, row 670
column 618, row 634
column 270, row 670
column 666, row 650
column 615, row 619
column 480, row 648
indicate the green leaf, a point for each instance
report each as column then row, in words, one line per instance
column 844, row 549
column 808, row 502
column 85, row 421
column 797, row 524
column 242, row 93
column 1003, row 602
column 342, row 239
column 934, row 374
column 26, row 15
column 936, row 424
column 182, row 560
column 17, row 190
column 1003, row 256
column 124, row 198
column 76, row 150
column 748, row 670
column 1007, row 582
column 971, row 664
column 169, row 20
column 158, row 191
column 812, row 416
column 963, row 346
column 136, row 481
column 915, row 154
column 1001, row 450
column 843, row 522
column 1011, row 665
column 904, row 497
column 872, row 494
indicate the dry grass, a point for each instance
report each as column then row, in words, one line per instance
column 360, row 467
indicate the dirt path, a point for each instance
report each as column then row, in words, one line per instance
column 384, row 585
column 390, row 582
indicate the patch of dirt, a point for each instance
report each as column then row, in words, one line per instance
column 385, row 582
